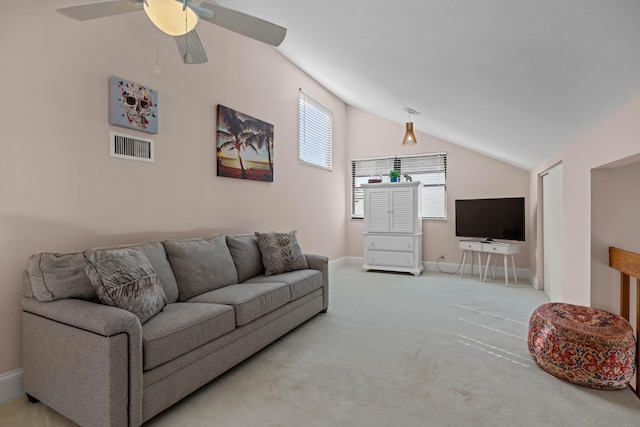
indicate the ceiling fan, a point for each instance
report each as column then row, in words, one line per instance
column 178, row 18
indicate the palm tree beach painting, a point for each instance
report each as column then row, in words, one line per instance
column 245, row 146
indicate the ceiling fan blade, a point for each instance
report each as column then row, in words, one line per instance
column 191, row 49
column 99, row 9
column 244, row 24
column 201, row 11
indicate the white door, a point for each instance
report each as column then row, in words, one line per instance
column 552, row 232
column 403, row 208
column 377, row 210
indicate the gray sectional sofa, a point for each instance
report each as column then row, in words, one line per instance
column 102, row 365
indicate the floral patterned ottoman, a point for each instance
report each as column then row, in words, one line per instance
column 583, row 345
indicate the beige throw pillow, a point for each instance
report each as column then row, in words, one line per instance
column 280, row 252
column 124, row 278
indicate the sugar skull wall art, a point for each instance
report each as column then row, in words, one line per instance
column 132, row 105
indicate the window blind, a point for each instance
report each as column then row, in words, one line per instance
column 315, row 129
column 430, row 169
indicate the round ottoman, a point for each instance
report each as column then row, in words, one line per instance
column 583, row 345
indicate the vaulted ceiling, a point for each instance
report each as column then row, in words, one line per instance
column 513, row 79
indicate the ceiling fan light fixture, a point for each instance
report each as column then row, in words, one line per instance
column 409, row 136
column 169, row 17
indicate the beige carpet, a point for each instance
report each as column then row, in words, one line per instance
column 393, row 350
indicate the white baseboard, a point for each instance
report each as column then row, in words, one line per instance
column 535, row 282
column 335, row 264
column 445, row 267
column 523, row 274
column 354, row 260
column 11, row 386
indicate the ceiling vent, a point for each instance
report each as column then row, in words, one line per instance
column 131, row 147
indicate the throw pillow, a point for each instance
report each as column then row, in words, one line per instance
column 246, row 255
column 157, row 255
column 280, row 252
column 201, row 265
column 124, row 278
column 57, row 276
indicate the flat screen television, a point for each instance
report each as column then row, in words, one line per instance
column 491, row 219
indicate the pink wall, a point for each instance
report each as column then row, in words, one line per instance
column 469, row 175
column 612, row 140
column 614, row 222
column 60, row 190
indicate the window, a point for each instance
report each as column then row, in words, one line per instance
column 430, row 169
column 315, row 132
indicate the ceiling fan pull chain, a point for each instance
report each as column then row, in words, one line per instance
column 157, row 69
column 186, row 40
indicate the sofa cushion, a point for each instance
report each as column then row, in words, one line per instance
column 280, row 252
column 124, row 278
column 201, row 265
column 246, row 255
column 249, row 300
column 158, row 258
column 53, row 276
column 182, row 327
column 301, row 282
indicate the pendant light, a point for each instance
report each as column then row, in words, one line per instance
column 170, row 16
column 409, row 136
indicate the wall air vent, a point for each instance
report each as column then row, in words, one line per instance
column 131, row 147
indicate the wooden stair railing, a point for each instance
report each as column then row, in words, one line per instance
column 628, row 264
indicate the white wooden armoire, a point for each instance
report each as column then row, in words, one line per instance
column 393, row 227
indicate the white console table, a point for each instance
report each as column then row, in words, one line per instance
column 479, row 247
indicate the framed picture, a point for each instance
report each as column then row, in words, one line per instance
column 244, row 146
column 132, row 105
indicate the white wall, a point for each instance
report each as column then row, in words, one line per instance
column 60, row 190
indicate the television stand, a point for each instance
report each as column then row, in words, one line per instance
column 490, row 247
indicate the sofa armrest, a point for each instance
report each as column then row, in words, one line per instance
column 97, row 318
column 321, row 262
column 84, row 360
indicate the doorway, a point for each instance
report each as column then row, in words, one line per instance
column 552, row 232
